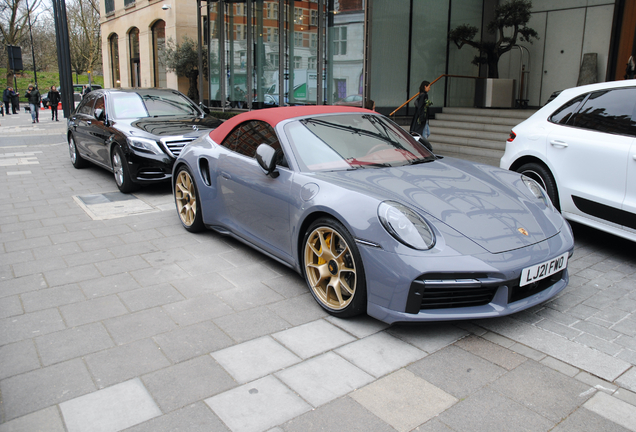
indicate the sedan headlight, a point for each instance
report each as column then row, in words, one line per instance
column 405, row 225
column 537, row 191
column 144, row 145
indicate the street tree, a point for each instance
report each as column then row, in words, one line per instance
column 14, row 25
column 84, row 35
column 183, row 59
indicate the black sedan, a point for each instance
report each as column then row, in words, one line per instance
column 136, row 134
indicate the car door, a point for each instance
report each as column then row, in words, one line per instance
column 630, row 193
column 258, row 204
column 97, row 132
column 589, row 154
column 80, row 127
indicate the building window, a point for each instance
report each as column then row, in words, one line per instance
column 114, row 60
column 340, row 41
column 271, row 10
column 158, row 47
column 239, row 30
column 135, row 66
column 313, row 18
column 311, row 63
column 273, row 59
column 272, row 34
column 298, row 16
column 298, row 39
column 109, row 6
column 313, row 40
column 298, row 62
column 129, row 3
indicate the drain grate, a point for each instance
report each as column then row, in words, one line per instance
column 111, row 205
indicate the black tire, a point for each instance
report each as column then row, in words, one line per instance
column 77, row 160
column 120, row 171
column 543, row 176
column 340, row 262
column 186, row 198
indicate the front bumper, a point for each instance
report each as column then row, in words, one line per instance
column 441, row 288
column 148, row 168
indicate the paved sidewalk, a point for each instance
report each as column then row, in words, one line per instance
column 113, row 317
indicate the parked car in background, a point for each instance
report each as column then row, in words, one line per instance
column 374, row 221
column 581, row 148
column 351, row 100
column 78, row 89
column 136, row 134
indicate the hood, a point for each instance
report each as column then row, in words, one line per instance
column 170, row 126
column 488, row 205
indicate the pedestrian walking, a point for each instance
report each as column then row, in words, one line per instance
column 6, row 99
column 15, row 101
column 33, row 96
column 419, row 124
column 54, row 99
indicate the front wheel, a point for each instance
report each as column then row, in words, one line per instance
column 77, row 160
column 333, row 269
column 120, row 171
column 186, row 197
column 543, row 176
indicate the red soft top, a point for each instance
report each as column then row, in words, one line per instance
column 273, row 116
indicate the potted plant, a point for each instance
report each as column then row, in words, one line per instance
column 508, row 25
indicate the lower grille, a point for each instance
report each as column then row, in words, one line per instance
column 175, row 147
column 458, row 290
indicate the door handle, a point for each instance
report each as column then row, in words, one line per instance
column 634, row 156
column 559, row 144
column 225, row 175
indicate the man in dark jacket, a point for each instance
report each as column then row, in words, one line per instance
column 54, row 99
column 33, row 96
column 6, row 99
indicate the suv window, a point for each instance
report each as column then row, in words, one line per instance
column 610, row 111
column 562, row 115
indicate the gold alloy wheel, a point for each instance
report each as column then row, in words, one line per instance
column 186, row 198
column 330, row 268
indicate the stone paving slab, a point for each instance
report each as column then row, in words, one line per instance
column 109, row 410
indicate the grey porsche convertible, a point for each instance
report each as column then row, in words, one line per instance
column 374, row 221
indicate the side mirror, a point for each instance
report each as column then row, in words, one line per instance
column 99, row 114
column 266, row 158
column 423, row 141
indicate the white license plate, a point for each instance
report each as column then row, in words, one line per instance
column 543, row 270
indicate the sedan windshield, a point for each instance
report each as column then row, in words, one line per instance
column 136, row 105
column 353, row 141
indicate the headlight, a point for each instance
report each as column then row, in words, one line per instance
column 405, row 225
column 144, row 145
column 536, row 190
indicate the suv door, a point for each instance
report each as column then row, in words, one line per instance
column 589, row 152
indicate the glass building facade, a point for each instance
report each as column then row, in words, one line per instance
column 332, row 52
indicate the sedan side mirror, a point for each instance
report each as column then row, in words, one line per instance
column 266, row 158
column 100, row 115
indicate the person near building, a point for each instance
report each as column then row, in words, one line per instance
column 33, row 96
column 87, row 90
column 419, row 124
column 54, row 99
column 6, row 99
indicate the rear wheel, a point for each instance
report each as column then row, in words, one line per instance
column 543, row 176
column 186, row 197
column 76, row 159
column 120, row 171
column 333, row 269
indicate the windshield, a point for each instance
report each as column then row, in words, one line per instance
column 136, row 105
column 353, row 141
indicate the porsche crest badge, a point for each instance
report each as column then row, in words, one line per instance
column 523, row 231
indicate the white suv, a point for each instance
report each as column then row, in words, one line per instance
column 581, row 147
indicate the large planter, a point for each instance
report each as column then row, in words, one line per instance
column 495, row 93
